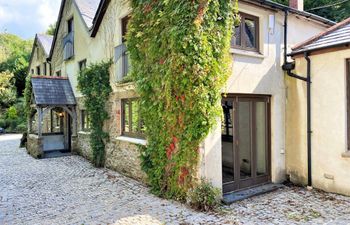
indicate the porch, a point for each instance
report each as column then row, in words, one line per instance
column 52, row 126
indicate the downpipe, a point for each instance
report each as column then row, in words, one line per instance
column 288, row 67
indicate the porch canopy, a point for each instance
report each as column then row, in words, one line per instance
column 49, row 93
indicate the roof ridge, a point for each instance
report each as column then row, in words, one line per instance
column 50, row 77
column 322, row 34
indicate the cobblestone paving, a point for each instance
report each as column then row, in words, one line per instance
column 70, row 190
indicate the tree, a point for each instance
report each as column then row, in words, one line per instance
column 52, row 28
column 7, row 89
column 14, row 57
column 334, row 10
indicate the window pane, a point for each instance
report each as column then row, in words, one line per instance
column 244, row 133
column 228, row 165
column 236, row 40
column 135, row 116
column 126, row 116
column 250, row 34
column 261, row 135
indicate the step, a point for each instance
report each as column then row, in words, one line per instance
column 231, row 197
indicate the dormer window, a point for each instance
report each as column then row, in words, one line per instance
column 37, row 53
column 246, row 34
column 121, row 53
column 68, row 41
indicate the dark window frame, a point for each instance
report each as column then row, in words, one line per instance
column 243, row 44
column 347, row 75
column 50, row 69
column 131, row 133
column 45, row 69
column 38, row 70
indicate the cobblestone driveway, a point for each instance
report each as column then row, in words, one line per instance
column 70, row 191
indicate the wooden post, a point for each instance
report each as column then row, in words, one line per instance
column 40, row 119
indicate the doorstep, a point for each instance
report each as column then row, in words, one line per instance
column 231, row 197
column 56, row 153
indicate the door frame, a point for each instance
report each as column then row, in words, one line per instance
column 254, row 180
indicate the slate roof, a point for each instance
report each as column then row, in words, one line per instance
column 88, row 9
column 46, row 42
column 52, row 91
column 337, row 35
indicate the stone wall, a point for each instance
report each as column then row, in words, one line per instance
column 35, row 146
column 124, row 157
column 84, row 148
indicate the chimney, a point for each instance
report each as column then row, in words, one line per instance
column 297, row 4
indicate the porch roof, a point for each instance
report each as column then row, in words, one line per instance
column 52, row 91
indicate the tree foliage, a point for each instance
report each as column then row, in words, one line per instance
column 51, row 30
column 14, row 57
column 7, row 89
column 179, row 50
column 93, row 82
column 335, row 12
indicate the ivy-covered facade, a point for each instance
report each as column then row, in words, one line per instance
column 221, row 119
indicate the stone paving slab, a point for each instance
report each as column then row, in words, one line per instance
column 70, row 190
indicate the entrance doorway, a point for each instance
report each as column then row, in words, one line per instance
column 245, row 141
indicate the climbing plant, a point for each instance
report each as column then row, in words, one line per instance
column 180, row 55
column 93, row 82
column 27, row 93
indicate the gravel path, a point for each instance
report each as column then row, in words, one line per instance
column 70, row 190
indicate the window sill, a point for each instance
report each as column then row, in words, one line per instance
column 346, row 154
column 246, row 53
column 137, row 141
column 125, row 86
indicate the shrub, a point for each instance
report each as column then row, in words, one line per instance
column 3, row 123
column 204, row 197
column 12, row 113
column 21, row 128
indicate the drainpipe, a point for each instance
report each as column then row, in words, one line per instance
column 309, row 131
column 288, row 67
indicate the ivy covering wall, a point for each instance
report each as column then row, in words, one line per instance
column 93, row 82
column 180, row 56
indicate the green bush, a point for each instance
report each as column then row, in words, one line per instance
column 3, row 123
column 204, row 197
column 21, row 128
column 12, row 113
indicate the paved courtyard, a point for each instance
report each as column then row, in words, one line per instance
column 70, row 190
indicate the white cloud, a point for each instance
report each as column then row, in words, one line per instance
column 27, row 17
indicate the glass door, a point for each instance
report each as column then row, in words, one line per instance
column 245, row 142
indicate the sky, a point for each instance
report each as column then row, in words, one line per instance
column 25, row 18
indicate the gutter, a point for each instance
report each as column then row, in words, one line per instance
column 288, row 67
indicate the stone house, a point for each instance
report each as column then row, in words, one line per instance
column 247, row 149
